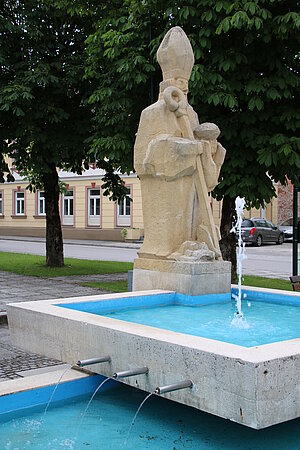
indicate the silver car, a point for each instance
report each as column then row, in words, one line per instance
column 260, row 231
column 287, row 228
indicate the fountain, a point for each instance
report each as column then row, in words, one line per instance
column 238, row 317
column 160, row 424
column 176, row 325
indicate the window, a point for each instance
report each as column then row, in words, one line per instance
column 41, row 203
column 247, row 223
column 270, row 225
column 260, row 223
column 124, row 211
column 1, row 204
column 94, row 207
column 20, row 203
column 288, row 223
column 68, row 208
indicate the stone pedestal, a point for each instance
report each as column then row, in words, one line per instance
column 191, row 278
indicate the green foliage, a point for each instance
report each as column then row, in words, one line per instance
column 45, row 108
column 124, row 233
column 245, row 79
column 5, row 174
column 43, row 98
column 32, row 265
column 118, row 59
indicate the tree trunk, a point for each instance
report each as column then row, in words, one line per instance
column 54, row 241
column 228, row 240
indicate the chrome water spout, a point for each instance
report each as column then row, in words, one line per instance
column 174, row 387
column 88, row 362
column 131, row 373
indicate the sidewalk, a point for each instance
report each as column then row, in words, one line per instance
column 14, row 362
column 94, row 243
column 19, row 288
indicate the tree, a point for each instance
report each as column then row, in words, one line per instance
column 42, row 101
column 44, row 108
column 245, row 79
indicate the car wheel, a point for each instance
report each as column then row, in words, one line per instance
column 258, row 241
column 280, row 239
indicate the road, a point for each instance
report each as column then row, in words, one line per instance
column 80, row 249
column 268, row 260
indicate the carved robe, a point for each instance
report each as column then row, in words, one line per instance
column 166, row 162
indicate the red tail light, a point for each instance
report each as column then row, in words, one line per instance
column 252, row 231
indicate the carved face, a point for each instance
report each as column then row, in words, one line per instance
column 182, row 84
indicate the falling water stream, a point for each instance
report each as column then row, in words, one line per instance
column 53, row 392
column 135, row 416
column 88, row 405
column 239, row 320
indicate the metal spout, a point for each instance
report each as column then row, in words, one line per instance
column 87, row 362
column 131, row 373
column 174, row 387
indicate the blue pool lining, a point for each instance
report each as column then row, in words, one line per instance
column 41, row 396
column 174, row 298
column 268, row 297
column 146, row 301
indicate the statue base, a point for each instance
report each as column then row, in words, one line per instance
column 191, row 278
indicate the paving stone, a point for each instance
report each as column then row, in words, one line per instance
column 14, row 362
column 18, row 288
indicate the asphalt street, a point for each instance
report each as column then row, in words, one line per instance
column 269, row 260
column 74, row 249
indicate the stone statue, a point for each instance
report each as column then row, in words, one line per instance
column 178, row 162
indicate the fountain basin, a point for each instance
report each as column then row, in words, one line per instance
column 257, row 386
column 209, row 316
column 160, row 424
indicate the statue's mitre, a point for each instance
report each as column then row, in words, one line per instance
column 175, row 55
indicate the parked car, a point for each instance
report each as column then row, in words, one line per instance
column 259, row 231
column 287, row 228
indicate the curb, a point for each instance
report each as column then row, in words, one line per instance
column 88, row 242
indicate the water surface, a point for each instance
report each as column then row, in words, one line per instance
column 267, row 322
column 160, row 425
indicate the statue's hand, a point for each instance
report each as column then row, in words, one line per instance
column 220, row 155
column 210, row 168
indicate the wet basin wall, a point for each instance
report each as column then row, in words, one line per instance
column 257, row 386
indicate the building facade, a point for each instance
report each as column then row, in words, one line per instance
column 85, row 212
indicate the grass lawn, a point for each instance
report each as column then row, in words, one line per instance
column 33, row 265
column 113, row 286
column 270, row 283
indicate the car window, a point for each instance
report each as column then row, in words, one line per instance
column 288, row 222
column 260, row 223
column 247, row 223
column 270, row 225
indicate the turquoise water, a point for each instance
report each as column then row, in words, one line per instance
column 161, row 425
column 269, row 317
column 267, row 322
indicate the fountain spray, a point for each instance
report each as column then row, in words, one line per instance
column 239, row 207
